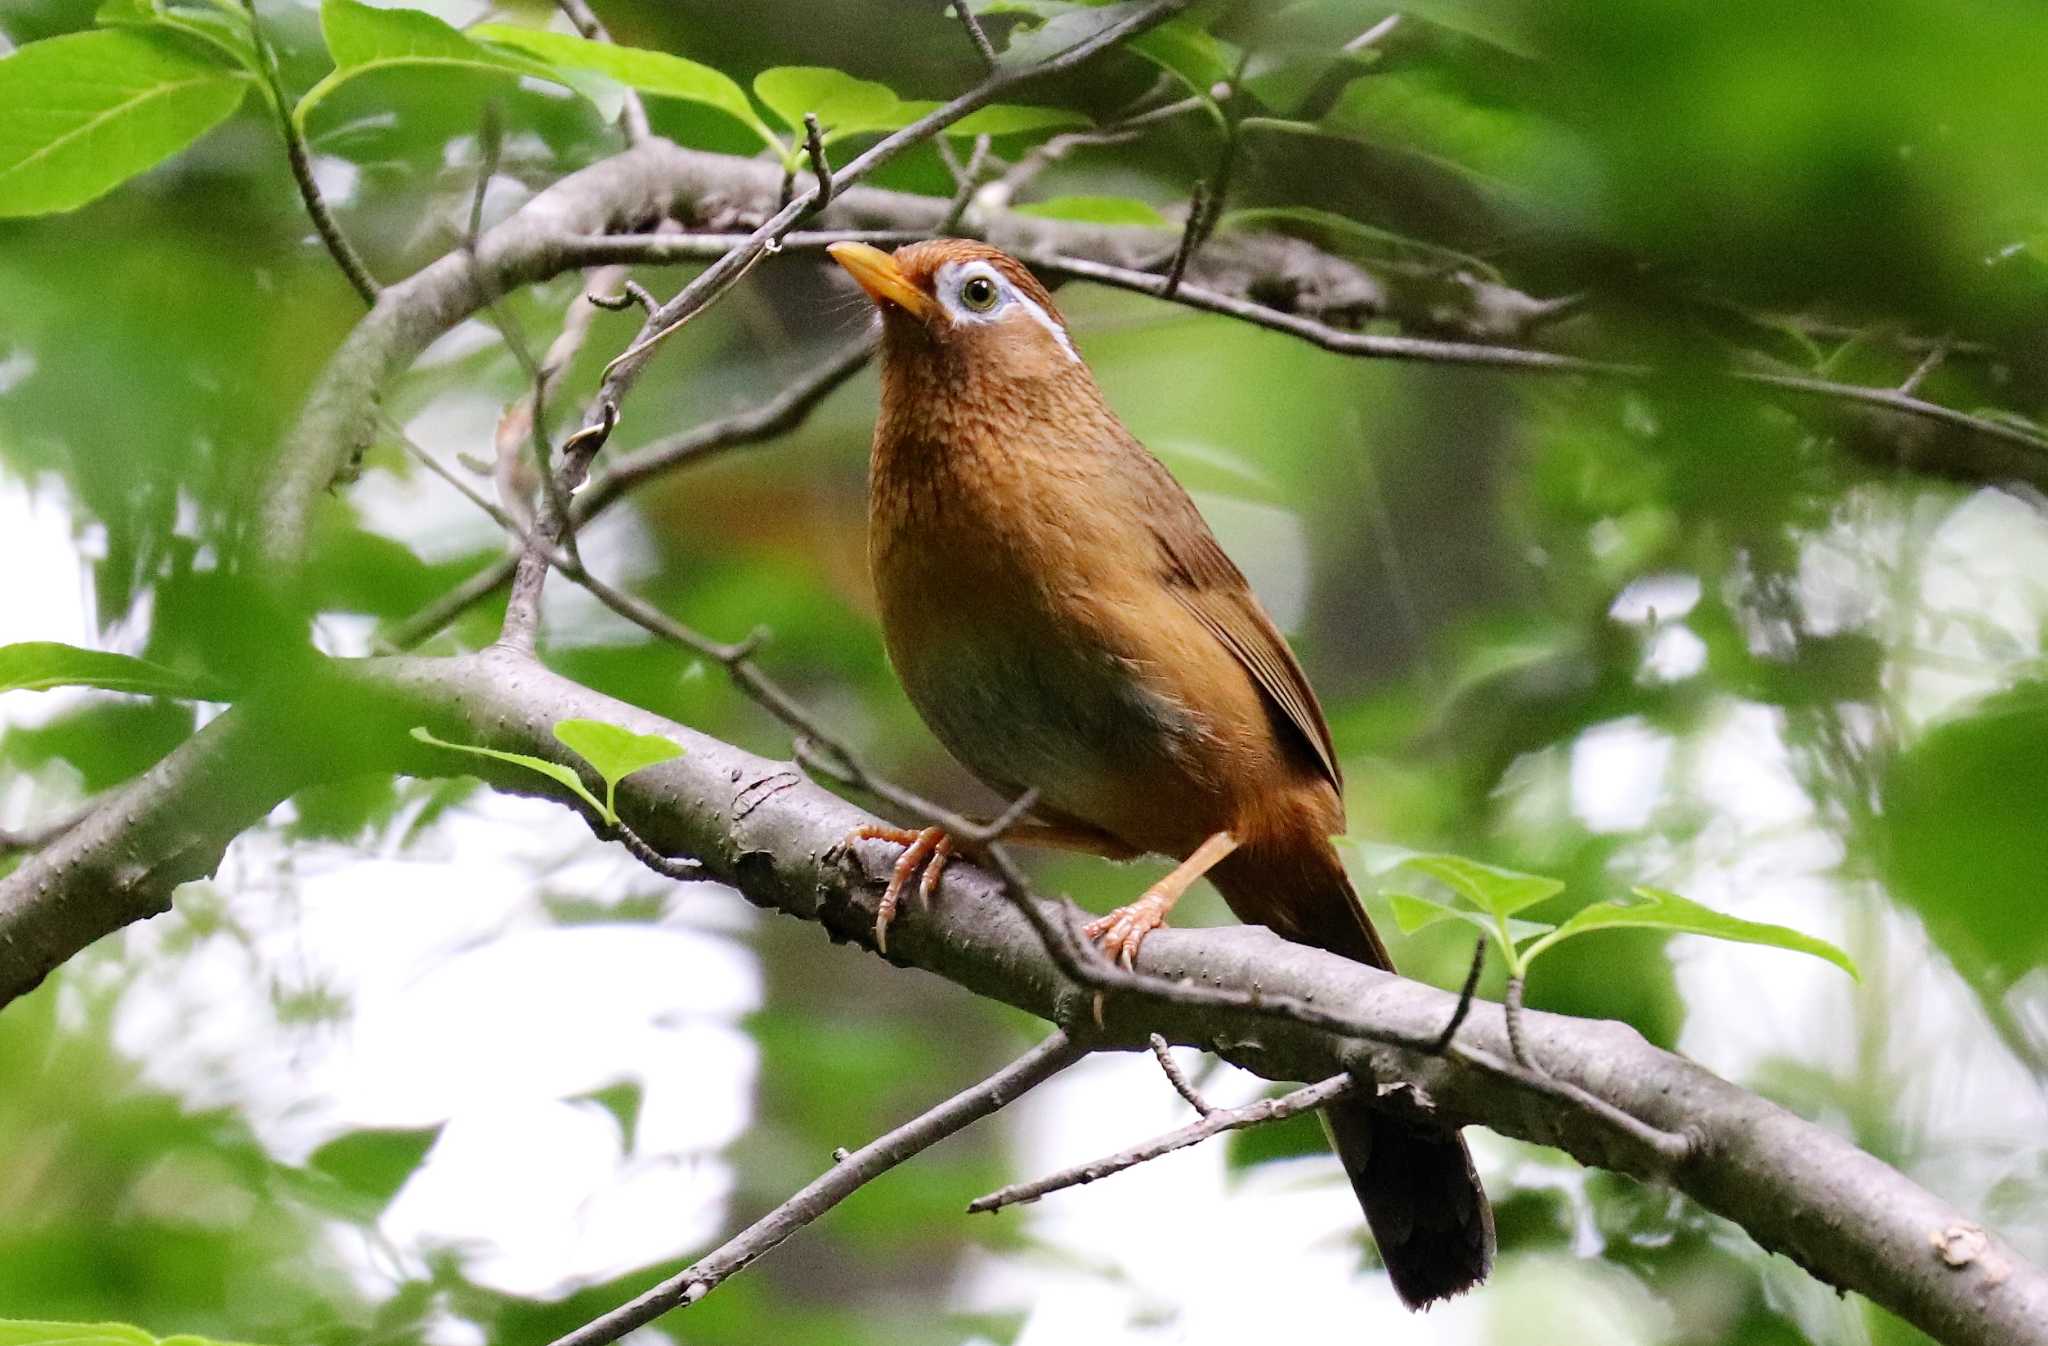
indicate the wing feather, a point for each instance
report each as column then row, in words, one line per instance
column 1211, row 587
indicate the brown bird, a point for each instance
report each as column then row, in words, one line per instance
column 1064, row 621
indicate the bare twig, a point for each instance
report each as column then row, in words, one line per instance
column 1465, row 995
column 976, row 34
column 1929, row 362
column 1213, row 1123
column 681, row 869
column 1162, row 1052
column 338, row 246
column 1514, row 1012
column 519, row 427
column 1190, row 238
column 999, row 194
column 821, row 168
column 632, row 111
column 848, row 1174
column 630, row 293
column 966, row 181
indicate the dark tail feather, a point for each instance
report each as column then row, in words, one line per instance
column 1420, row 1193
column 1422, row 1199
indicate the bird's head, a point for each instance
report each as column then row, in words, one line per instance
column 960, row 317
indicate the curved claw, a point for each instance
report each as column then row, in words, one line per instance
column 930, row 847
column 1122, row 932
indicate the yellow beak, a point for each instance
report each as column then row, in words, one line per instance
column 877, row 273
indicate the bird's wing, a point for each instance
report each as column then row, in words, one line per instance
column 1209, row 585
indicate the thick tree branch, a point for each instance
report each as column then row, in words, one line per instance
column 847, row 1175
column 759, row 826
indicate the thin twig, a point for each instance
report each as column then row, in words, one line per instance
column 1213, row 1123
column 1122, row 131
column 1513, row 1005
column 1162, row 1052
column 632, row 111
column 821, row 168
column 338, row 246
column 847, row 1175
column 1465, row 995
column 630, row 293
column 1190, row 238
column 682, row 869
column 976, row 34
column 658, row 249
column 966, row 180
column 1929, row 362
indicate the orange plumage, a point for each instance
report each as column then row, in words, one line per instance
column 1065, row 621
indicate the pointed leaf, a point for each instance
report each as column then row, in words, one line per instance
column 654, row 72
column 1657, row 909
column 1503, row 892
column 554, row 771
column 87, row 111
column 363, row 38
column 39, row 665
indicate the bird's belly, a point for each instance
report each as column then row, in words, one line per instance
column 1070, row 720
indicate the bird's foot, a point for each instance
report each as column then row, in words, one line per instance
column 1122, row 931
column 930, row 847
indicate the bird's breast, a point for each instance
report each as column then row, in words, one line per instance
column 998, row 609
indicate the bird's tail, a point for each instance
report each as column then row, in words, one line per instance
column 1420, row 1193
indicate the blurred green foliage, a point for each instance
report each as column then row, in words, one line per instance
column 1780, row 657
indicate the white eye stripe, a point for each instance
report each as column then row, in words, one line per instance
column 955, row 274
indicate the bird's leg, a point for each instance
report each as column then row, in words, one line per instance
column 930, row 847
column 1123, row 930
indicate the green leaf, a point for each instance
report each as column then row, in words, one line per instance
column 1413, row 912
column 615, row 751
column 229, row 34
column 375, row 1163
column 843, row 105
column 653, row 72
column 15, row 1332
column 18, row 1333
column 847, row 106
column 1000, row 119
column 87, row 111
column 1098, row 210
column 554, row 771
column 1657, row 909
column 1191, row 55
column 1502, row 892
column 39, row 665
column 362, row 38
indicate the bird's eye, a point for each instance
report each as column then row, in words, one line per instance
column 978, row 293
